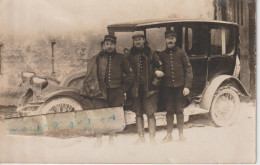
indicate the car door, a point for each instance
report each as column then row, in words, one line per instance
column 194, row 42
column 221, row 51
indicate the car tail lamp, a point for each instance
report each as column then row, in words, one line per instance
column 27, row 76
column 39, row 83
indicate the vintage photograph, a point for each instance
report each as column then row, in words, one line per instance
column 110, row 81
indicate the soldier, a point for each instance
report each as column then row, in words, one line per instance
column 110, row 79
column 176, row 83
column 147, row 67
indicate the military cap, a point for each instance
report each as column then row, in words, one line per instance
column 138, row 33
column 170, row 33
column 110, row 38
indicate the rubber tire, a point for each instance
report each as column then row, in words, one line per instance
column 44, row 108
column 236, row 109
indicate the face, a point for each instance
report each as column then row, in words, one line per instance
column 139, row 42
column 109, row 46
column 170, row 41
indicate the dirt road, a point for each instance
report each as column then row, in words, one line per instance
column 205, row 144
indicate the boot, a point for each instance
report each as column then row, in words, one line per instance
column 98, row 143
column 152, row 140
column 152, row 129
column 141, row 139
column 111, row 140
column 180, row 124
column 140, row 130
column 168, row 137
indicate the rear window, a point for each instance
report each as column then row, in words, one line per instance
column 222, row 41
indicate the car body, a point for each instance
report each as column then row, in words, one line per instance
column 212, row 47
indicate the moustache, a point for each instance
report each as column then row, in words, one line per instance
column 169, row 42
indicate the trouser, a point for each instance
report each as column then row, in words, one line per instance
column 115, row 97
column 147, row 105
column 173, row 99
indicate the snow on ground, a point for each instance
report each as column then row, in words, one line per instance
column 205, row 144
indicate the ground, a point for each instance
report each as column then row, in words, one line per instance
column 205, row 144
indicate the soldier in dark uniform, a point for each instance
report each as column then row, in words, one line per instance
column 176, row 83
column 113, row 77
column 147, row 67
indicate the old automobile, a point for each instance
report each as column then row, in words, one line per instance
column 212, row 47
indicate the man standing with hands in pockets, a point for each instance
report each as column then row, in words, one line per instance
column 176, row 83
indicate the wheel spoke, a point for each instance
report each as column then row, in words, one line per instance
column 61, row 107
column 224, row 106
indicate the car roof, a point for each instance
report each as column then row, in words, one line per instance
column 132, row 26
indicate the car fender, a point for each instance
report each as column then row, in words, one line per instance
column 210, row 90
column 23, row 99
column 67, row 92
column 65, row 82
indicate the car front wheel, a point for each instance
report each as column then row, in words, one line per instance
column 60, row 104
column 225, row 106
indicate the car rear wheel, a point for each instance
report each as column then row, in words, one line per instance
column 60, row 104
column 225, row 106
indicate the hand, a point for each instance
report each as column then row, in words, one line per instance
column 186, row 91
column 125, row 96
column 159, row 73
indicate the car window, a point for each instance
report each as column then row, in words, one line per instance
column 155, row 38
column 230, row 41
column 222, row 41
column 124, row 40
column 216, row 42
column 194, row 40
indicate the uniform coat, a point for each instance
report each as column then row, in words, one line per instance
column 151, row 63
column 176, row 67
column 96, row 83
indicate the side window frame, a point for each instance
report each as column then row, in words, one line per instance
column 224, row 44
column 188, row 41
